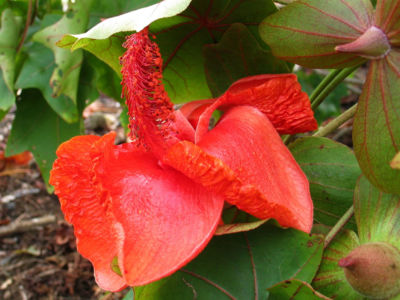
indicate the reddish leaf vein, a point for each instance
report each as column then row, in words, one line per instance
column 356, row 28
column 209, row 282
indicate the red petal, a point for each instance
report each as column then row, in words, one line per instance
column 244, row 159
column 184, row 129
column 165, row 218
column 278, row 96
column 73, row 180
column 194, row 109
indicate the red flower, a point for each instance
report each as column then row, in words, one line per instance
column 155, row 203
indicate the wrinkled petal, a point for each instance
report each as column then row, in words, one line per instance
column 73, row 179
column 279, row 97
column 244, row 159
column 165, row 219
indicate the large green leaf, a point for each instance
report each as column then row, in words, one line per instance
column 294, row 289
column 108, row 50
column 238, row 55
column 106, row 81
column 107, row 9
column 241, row 266
column 65, row 76
column 36, row 73
column 133, row 21
column 330, row 279
column 38, row 129
column 387, row 17
column 376, row 130
column 9, row 39
column 377, row 214
column 306, row 31
column 332, row 171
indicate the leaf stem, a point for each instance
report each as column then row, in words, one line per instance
column 328, row 84
column 338, row 226
column 327, row 79
column 27, row 24
column 286, row 139
column 338, row 121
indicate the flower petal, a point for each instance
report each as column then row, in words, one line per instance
column 193, row 110
column 184, row 129
column 279, row 97
column 244, row 159
column 165, row 219
column 73, row 180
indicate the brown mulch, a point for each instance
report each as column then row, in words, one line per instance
column 41, row 262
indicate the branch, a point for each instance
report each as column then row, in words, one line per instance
column 27, row 225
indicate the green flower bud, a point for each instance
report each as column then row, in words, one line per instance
column 373, row 270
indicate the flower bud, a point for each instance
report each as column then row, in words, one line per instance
column 373, row 270
column 372, row 44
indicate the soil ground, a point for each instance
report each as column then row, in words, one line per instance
column 41, row 262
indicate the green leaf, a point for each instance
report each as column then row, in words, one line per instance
column 38, row 129
column 330, row 279
column 108, row 50
column 65, row 76
column 306, row 32
column 332, row 171
column 107, row 9
column 387, row 18
column 241, row 266
column 106, row 80
column 377, row 214
column 395, row 163
column 129, row 295
column 238, row 55
column 9, row 38
column 36, row 73
column 376, row 130
column 238, row 227
column 3, row 113
column 133, row 21
column 294, row 289
column 115, row 266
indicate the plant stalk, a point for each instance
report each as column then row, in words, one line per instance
column 322, row 85
column 27, row 24
column 338, row 226
column 337, row 122
column 328, row 84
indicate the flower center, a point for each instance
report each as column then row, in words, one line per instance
column 149, row 107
